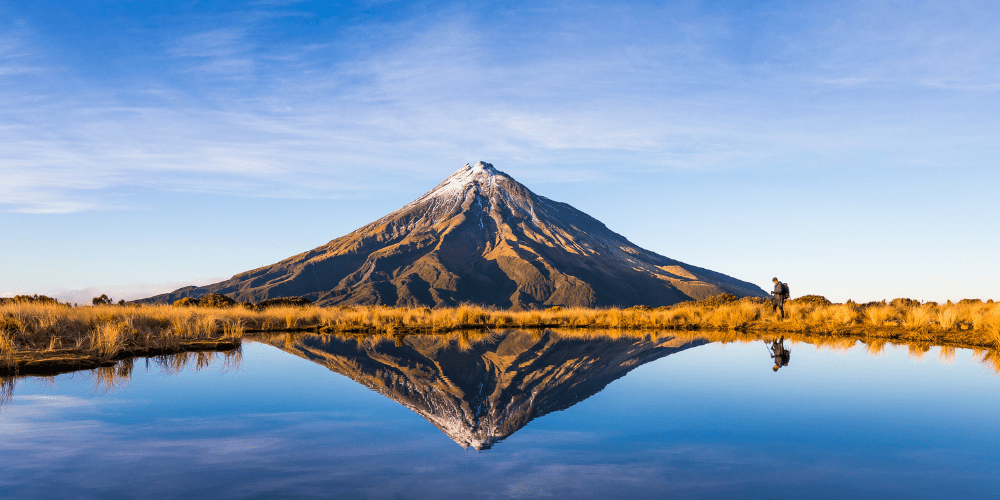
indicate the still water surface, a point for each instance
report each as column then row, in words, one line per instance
column 514, row 416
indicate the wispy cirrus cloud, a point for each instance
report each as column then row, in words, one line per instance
column 232, row 109
column 221, row 52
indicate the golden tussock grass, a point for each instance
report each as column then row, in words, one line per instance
column 33, row 333
column 46, row 334
column 877, row 315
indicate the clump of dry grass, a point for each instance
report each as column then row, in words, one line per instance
column 948, row 317
column 107, row 339
column 877, row 315
column 917, row 317
column 7, row 348
column 734, row 315
column 990, row 324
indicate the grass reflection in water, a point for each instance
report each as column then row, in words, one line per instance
column 112, row 376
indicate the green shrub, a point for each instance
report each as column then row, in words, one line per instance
column 32, row 299
column 905, row 303
column 186, row 302
column 284, row 301
column 103, row 300
column 816, row 300
column 216, row 300
column 718, row 300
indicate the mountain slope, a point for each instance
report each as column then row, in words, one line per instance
column 482, row 237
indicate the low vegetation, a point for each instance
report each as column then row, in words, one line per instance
column 41, row 336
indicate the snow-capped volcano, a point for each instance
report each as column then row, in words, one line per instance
column 481, row 237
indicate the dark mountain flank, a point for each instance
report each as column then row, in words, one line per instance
column 481, row 237
column 481, row 392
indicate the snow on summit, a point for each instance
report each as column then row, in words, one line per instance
column 463, row 178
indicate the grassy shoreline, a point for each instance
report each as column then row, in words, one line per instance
column 39, row 338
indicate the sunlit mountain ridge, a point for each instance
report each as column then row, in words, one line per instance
column 480, row 237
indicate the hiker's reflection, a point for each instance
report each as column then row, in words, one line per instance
column 779, row 352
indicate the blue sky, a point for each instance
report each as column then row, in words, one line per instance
column 849, row 148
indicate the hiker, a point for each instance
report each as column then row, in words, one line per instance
column 780, row 354
column 779, row 297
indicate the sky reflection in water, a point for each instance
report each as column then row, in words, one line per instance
column 708, row 421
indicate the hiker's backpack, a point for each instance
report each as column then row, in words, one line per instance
column 784, row 290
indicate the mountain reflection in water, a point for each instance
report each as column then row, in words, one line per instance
column 479, row 389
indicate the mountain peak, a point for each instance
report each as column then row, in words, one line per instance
column 467, row 178
column 468, row 173
column 482, row 166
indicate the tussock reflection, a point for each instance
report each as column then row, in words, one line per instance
column 6, row 390
column 111, row 377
